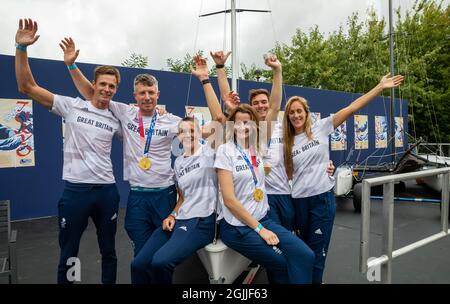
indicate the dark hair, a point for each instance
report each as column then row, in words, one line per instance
column 106, row 70
column 253, row 92
column 190, row 119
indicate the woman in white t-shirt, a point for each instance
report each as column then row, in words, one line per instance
column 245, row 226
column 306, row 156
column 191, row 224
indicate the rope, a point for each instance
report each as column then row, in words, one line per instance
column 238, row 39
column 275, row 38
column 359, row 112
column 224, row 47
column 379, row 65
column 194, row 51
column 407, row 46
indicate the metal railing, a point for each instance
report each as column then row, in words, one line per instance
column 388, row 254
column 439, row 149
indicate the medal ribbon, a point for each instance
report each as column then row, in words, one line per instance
column 251, row 166
column 150, row 131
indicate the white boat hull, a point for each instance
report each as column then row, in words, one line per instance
column 222, row 263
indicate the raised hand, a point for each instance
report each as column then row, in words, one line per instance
column 161, row 111
column 26, row 34
column 68, row 47
column 232, row 101
column 272, row 61
column 201, row 68
column 388, row 82
column 220, row 57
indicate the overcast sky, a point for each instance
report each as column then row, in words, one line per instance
column 108, row 31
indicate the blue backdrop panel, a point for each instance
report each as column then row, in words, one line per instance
column 35, row 191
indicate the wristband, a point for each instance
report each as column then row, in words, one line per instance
column 220, row 66
column 21, row 47
column 174, row 213
column 73, row 66
column 259, row 228
column 205, row 81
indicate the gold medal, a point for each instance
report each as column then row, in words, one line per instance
column 145, row 163
column 258, row 194
column 267, row 169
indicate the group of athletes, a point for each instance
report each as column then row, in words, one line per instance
column 266, row 183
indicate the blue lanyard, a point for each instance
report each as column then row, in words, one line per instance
column 150, row 131
column 255, row 179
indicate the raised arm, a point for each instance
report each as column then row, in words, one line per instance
column 385, row 83
column 83, row 85
column 277, row 87
column 201, row 72
column 220, row 58
column 237, row 209
column 25, row 36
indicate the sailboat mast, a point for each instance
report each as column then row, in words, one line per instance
column 392, row 105
column 234, row 47
column 234, row 62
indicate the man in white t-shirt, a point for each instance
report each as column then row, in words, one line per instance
column 90, row 189
column 147, row 143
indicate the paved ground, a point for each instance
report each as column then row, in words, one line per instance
column 38, row 248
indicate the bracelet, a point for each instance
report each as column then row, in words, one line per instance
column 205, row 81
column 73, row 66
column 21, row 47
column 259, row 228
column 220, row 66
column 174, row 213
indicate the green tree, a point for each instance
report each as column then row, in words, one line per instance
column 185, row 65
column 423, row 57
column 136, row 61
column 353, row 60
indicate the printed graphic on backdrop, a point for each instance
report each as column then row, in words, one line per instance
column 200, row 113
column 361, row 132
column 339, row 138
column 315, row 116
column 399, row 133
column 16, row 133
column 381, row 131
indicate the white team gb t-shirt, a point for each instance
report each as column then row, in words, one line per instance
column 229, row 158
column 197, row 180
column 311, row 158
column 160, row 173
column 87, row 140
column 277, row 181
